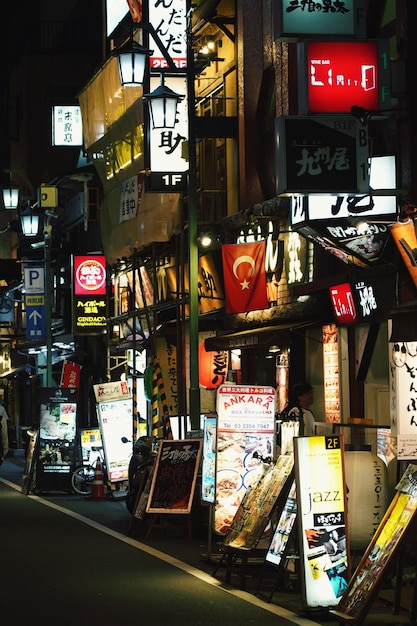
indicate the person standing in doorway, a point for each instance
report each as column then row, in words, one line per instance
column 302, row 397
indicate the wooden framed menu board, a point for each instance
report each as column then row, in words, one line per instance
column 174, row 477
column 364, row 584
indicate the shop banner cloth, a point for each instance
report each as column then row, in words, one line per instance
column 244, row 277
column 70, row 375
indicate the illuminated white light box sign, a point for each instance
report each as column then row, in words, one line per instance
column 293, row 18
column 403, row 398
column 167, row 165
column 170, row 22
column 67, row 127
column 382, row 175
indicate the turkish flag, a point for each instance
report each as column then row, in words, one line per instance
column 244, row 277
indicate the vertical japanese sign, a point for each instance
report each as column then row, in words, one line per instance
column 246, row 425
column 167, row 164
column 403, row 398
column 89, row 299
column 169, row 19
column 67, row 127
column 322, row 523
column 166, row 159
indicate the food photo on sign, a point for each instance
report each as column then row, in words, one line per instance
column 245, row 436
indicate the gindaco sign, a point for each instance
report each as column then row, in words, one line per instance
column 295, row 18
column 321, row 155
column 334, row 75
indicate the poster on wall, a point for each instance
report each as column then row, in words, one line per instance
column 379, row 555
column 322, row 519
column 245, row 435
column 116, row 422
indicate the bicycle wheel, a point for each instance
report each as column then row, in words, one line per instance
column 82, row 480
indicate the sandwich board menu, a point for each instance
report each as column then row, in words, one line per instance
column 365, row 582
column 174, row 476
column 245, row 425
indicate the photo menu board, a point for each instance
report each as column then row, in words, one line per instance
column 245, row 432
column 365, row 582
column 322, row 523
column 255, row 510
column 115, row 419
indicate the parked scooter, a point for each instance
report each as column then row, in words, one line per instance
column 142, row 457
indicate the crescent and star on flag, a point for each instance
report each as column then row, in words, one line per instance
column 244, row 259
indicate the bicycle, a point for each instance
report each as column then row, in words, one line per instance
column 83, row 476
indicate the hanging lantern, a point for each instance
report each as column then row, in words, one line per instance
column 212, row 367
column 132, row 58
column 368, row 497
column 11, row 197
column 162, row 104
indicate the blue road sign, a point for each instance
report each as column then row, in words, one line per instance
column 35, row 319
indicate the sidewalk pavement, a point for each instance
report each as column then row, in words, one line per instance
column 203, row 552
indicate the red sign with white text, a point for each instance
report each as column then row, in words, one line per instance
column 343, row 304
column 342, row 74
column 90, row 275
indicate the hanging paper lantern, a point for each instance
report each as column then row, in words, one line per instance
column 212, row 367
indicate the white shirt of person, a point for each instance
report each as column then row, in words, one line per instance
column 307, row 419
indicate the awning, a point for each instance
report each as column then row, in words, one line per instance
column 260, row 338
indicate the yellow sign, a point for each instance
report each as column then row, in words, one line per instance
column 38, row 300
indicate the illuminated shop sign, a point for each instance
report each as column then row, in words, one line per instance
column 166, row 163
column 342, row 302
column 321, row 155
column 89, row 301
column 334, row 75
column 295, row 18
column 90, row 275
column 322, row 520
column 67, row 127
column 365, row 298
column 170, row 22
column 382, row 175
column 353, row 227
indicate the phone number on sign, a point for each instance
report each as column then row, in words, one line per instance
column 245, row 426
